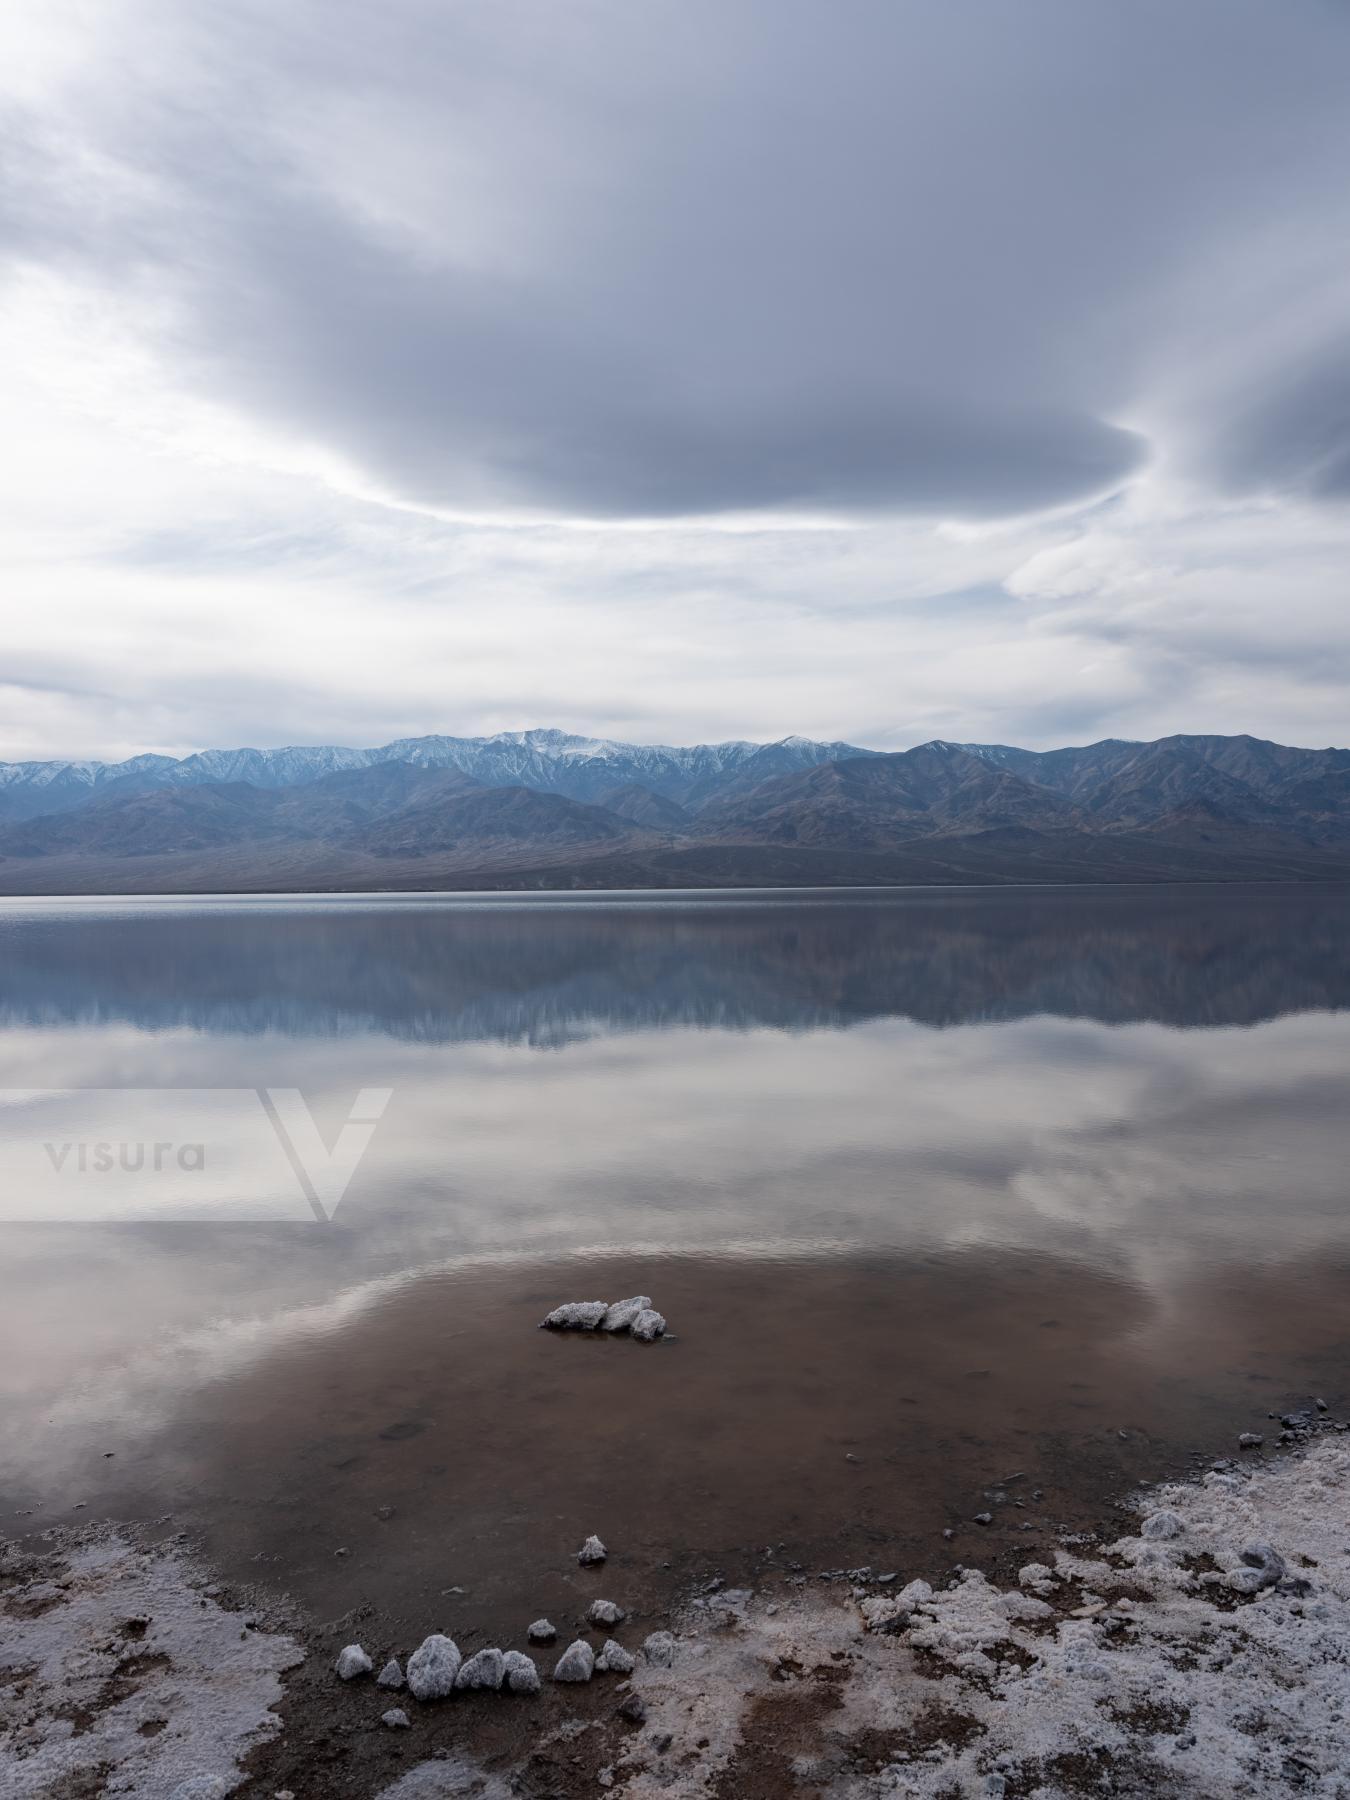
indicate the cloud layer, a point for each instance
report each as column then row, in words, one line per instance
column 697, row 367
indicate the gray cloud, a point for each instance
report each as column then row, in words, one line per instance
column 692, row 258
column 1042, row 305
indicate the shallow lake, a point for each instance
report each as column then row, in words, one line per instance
column 956, row 1201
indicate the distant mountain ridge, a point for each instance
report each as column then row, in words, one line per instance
column 552, row 761
column 548, row 808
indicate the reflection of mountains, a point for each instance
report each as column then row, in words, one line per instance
column 545, row 973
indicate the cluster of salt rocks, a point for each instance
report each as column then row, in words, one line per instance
column 436, row 1669
column 636, row 1316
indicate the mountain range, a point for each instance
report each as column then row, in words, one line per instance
column 544, row 809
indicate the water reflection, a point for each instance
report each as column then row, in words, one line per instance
column 860, row 1148
column 533, row 970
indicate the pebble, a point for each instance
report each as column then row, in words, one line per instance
column 660, row 1649
column 615, row 1660
column 522, row 1677
column 433, row 1666
column 577, row 1662
column 621, row 1315
column 634, row 1709
column 984, row 1518
column 575, row 1315
column 396, row 1719
column 485, row 1669
column 605, row 1612
column 592, row 1551
column 390, row 1676
column 543, row 1631
column 647, row 1326
column 352, row 1662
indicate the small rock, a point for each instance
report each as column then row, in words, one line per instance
column 647, row 1326
column 1321, row 1406
column 660, row 1649
column 1267, row 1563
column 605, row 1612
column 522, row 1677
column 592, row 1551
column 575, row 1315
column 1250, row 1440
column 396, row 1719
column 577, row 1662
column 384, row 1512
column 352, row 1662
column 433, row 1666
column 634, row 1709
column 390, row 1676
column 342, row 1551
column 615, row 1660
column 984, row 1518
column 486, row 1669
column 543, row 1631
column 621, row 1315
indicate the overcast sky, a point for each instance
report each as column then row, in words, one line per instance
column 673, row 369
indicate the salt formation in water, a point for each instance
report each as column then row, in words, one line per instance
column 605, row 1612
column 615, row 1660
column 621, row 1315
column 592, row 1551
column 352, row 1662
column 575, row 1315
column 486, row 1669
column 432, row 1667
column 522, row 1677
column 543, row 1631
column 577, row 1662
column 635, row 1316
column 390, row 1676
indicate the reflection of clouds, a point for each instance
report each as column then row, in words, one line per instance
column 1152, row 1152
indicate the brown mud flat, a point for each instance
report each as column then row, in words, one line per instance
column 434, row 1461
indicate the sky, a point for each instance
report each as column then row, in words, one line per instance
column 672, row 370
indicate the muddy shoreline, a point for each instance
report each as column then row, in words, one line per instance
column 320, row 1737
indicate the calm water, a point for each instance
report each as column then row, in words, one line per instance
column 933, row 1187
